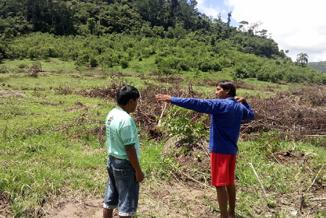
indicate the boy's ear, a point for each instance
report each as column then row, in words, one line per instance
column 131, row 101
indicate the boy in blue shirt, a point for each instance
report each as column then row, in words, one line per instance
column 123, row 167
column 226, row 114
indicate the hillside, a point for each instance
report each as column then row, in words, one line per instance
column 173, row 38
column 321, row 66
column 61, row 64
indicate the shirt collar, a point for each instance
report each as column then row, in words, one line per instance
column 230, row 98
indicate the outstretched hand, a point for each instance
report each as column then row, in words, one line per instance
column 240, row 99
column 161, row 97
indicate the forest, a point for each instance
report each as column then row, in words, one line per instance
column 62, row 63
column 173, row 34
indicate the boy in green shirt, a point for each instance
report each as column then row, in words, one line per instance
column 123, row 167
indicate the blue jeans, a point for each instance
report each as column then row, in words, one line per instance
column 122, row 189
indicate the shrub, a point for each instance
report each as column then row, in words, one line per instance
column 93, row 62
column 124, row 63
column 209, row 65
column 4, row 69
column 83, row 59
column 204, row 66
column 52, row 52
column 182, row 66
column 177, row 123
column 35, row 69
column 22, row 66
column 241, row 73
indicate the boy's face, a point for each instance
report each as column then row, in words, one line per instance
column 133, row 104
column 221, row 93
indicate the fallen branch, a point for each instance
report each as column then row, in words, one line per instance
column 162, row 113
column 276, row 159
column 261, row 184
column 318, row 199
column 313, row 182
column 194, row 180
column 302, row 198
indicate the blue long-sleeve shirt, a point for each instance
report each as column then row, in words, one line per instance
column 225, row 120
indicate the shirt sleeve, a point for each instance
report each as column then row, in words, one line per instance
column 248, row 113
column 128, row 133
column 208, row 106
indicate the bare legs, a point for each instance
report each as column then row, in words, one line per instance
column 232, row 199
column 222, row 198
column 226, row 197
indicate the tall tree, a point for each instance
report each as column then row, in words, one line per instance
column 50, row 16
column 302, row 59
column 175, row 7
column 229, row 19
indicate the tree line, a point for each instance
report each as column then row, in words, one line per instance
column 149, row 18
column 162, row 56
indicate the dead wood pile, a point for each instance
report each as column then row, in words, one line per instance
column 299, row 112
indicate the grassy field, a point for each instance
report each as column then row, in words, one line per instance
column 51, row 144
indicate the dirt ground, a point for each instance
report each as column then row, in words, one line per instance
column 160, row 199
column 185, row 200
column 169, row 200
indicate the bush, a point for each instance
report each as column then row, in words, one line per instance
column 2, row 53
column 204, row 66
column 169, row 62
column 4, row 69
column 124, row 63
column 83, row 59
column 22, row 66
column 216, row 66
column 52, row 52
column 35, row 69
column 147, row 52
column 209, row 65
column 177, row 123
column 182, row 66
column 93, row 62
column 263, row 76
column 241, row 73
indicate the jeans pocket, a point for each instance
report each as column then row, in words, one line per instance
column 122, row 173
column 122, row 168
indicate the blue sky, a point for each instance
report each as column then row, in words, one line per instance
column 214, row 8
column 296, row 25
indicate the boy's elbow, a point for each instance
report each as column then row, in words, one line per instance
column 251, row 116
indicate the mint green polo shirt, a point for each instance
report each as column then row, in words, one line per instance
column 121, row 130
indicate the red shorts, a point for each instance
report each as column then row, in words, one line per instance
column 222, row 169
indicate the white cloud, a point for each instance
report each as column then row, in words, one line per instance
column 207, row 9
column 296, row 25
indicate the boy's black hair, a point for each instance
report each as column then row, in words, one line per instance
column 228, row 86
column 125, row 93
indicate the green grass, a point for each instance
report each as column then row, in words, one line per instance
column 39, row 166
column 278, row 178
column 53, row 65
column 147, row 65
column 48, row 144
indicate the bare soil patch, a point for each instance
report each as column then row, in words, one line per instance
column 157, row 199
column 290, row 157
column 4, row 205
column 11, row 93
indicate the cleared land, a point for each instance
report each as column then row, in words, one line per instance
column 52, row 152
